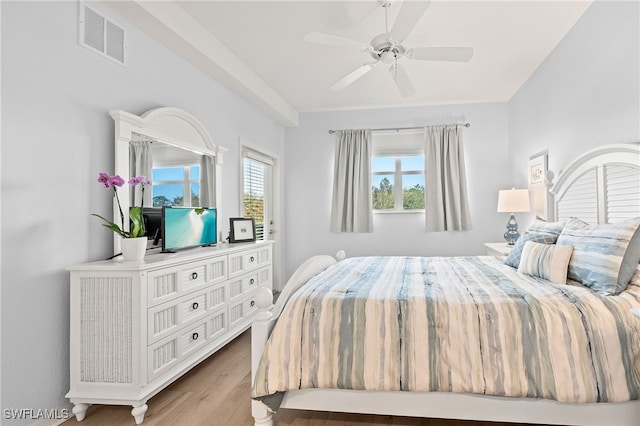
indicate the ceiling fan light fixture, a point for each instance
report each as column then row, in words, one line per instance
column 387, row 57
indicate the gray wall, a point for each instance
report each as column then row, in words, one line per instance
column 585, row 94
column 309, row 171
column 57, row 136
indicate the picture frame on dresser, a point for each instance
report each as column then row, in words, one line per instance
column 242, row 229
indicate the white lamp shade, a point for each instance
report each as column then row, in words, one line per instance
column 513, row 201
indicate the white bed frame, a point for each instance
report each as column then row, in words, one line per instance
column 602, row 185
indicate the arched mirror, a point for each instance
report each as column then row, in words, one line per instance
column 172, row 149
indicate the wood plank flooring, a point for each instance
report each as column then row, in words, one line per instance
column 217, row 393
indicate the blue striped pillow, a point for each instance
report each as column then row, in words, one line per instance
column 513, row 258
column 604, row 256
column 540, row 226
column 548, row 261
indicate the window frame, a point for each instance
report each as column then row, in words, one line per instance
column 268, row 163
column 398, row 145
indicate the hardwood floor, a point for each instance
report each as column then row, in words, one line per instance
column 217, row 393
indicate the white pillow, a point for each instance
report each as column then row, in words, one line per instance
column 546, row 261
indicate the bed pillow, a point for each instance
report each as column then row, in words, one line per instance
column 513, row 258
column 604, row 256
column 540, row 226
column 548, row 261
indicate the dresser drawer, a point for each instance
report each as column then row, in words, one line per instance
column 241, row 310
column 218, row 296
column 169, row 317
column 164, row 354
column 264, row 277
column 192, row 339
column 193, row 276
column 161, row 356
column 249, row 283
column 167, row 284
column 217, row 323
column 242, row 262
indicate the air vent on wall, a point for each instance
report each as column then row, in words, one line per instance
column 102, row 35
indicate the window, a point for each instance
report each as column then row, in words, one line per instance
column 256, row 194
column 397, row 173
column 170, row 184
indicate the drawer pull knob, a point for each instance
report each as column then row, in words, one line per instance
column 194, row 276
column 251, row 259
column 195, row 305
column 251, row 281
column 195, row 336
column 253, row 302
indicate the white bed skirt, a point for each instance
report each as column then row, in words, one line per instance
column 464, row 407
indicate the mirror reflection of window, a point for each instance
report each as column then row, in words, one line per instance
column 171, row 184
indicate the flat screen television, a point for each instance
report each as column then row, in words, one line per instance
column 185, row 227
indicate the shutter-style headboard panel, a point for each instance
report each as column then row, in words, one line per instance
column 600, row 186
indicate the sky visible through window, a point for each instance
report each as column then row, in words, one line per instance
column 173, row 174
column 388, row 164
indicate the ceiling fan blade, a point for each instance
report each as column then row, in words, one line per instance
column 332, row 40
column 353, row 76
column 450, row 54
column 408, row 16
column 402, row 80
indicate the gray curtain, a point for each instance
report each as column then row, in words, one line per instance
column 207, row 181
column 140, row 164
column 447, row 206
column 351, row 203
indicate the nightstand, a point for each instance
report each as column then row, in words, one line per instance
column 497, row 249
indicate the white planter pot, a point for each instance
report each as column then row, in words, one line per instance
column 133, row 248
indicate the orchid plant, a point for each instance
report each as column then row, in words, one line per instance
column 135, row 213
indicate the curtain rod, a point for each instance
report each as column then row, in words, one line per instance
column 397, row 129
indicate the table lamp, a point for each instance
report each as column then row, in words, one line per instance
column 513, row 201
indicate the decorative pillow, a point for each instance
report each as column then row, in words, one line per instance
column 548, row 261
column 604, row 256
column 513, row 258
column 540, row 226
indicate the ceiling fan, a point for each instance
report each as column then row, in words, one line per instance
column 388, row 48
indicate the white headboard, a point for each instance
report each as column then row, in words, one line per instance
column 600, row 186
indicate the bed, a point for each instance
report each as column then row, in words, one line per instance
column 472, row 337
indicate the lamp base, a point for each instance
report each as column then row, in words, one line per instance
column 512, row 233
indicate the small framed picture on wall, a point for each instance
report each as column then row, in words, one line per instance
column 537, row 168
column 242, row 229
column 537, row 179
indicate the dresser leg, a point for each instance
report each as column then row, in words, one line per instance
column 80, row 410
column 138, row 413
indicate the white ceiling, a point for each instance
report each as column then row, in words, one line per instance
column 257, row 48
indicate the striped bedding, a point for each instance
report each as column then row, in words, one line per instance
column 453, row 324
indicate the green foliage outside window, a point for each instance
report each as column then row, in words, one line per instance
column 413, row 198
column 383, row 199
column 254, row 207
column 161, row 200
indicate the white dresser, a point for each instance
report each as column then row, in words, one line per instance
column 138, row 326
